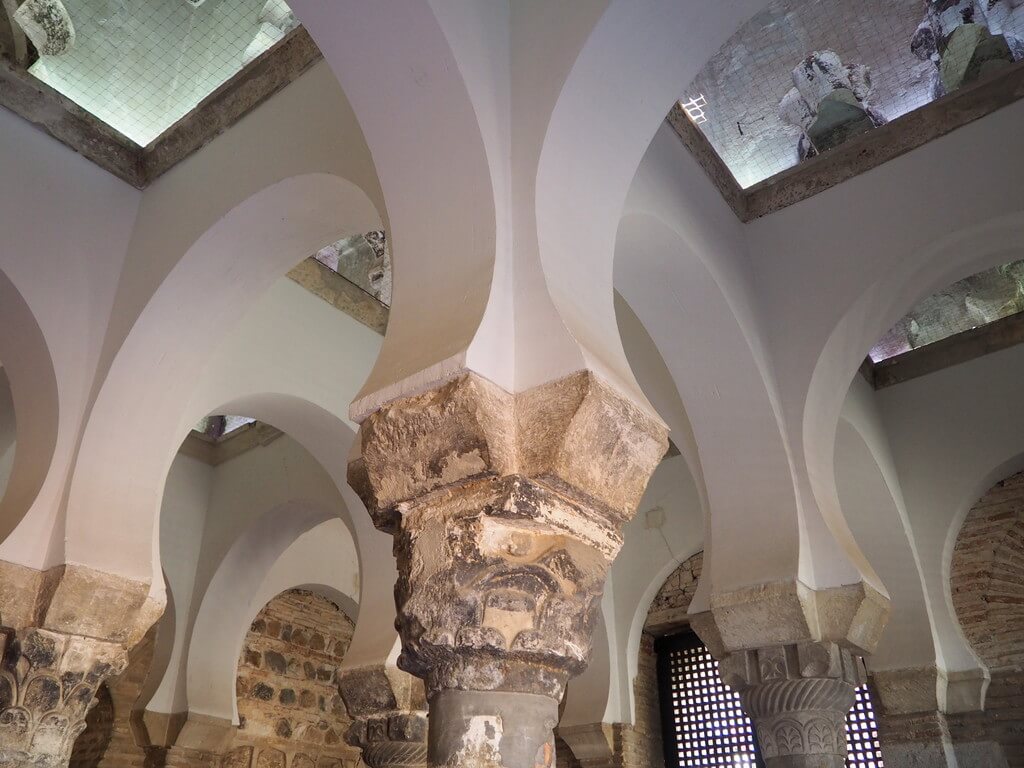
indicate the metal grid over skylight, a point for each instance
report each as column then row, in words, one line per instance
column 142, row 65
column 741, row 89
column 973, row 302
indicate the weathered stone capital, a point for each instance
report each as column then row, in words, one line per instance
column 48, row 682
column 798, row 697
column 388, row 711
column 507, row 511
column 64, row 632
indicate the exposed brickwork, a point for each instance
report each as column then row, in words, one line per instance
column 668, row 610
column 288, row 702
column 1001, row 722
column 987, row 578
column 987, row 583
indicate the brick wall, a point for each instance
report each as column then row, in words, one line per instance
column 987, row 577
column 987, row 583
column 288, row 703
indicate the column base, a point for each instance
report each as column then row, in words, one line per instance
column 492, row 729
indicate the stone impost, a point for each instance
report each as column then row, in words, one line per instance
column 389, row 718
column 506, row 511
column 798, row 697
column 63, row 632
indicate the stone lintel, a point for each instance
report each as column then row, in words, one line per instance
column 158, row 729
column 966, row 690
column 76, row 600
column 910, row 690
column 205, row 733
column 593, row 744
column 789, row 612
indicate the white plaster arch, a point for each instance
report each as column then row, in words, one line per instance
column 639, row 57
column 162, row 650
column 117, row 485
column 592, row 696
column 284, row 549
column 872, row 502
column 947, row 259
column 425, row 137
column 270, row 367
column 29, row 371
column 728, row 399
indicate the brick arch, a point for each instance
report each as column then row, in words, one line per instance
column 288, row 701
column 987, row 576
column 667, row 613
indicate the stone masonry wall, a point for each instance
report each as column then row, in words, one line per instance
column 291, row 713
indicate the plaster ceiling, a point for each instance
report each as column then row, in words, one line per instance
column 970, row 303
column 142, row 65
column 744, row 82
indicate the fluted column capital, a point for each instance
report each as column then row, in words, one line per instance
column 798, row 697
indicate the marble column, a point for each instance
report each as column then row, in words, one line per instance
column 65, row 631
column 506, row 512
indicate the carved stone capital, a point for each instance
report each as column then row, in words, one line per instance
column 798, row 697
column 507, row 511
column 63, row 632
column 48, row 682
column 389, row 719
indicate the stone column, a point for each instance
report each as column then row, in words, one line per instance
column 65, row 631
column 506, row 512
column 798, row 697
column 795, row 655
column 389, row 718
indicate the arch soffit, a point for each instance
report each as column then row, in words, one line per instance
column 229, row 602
column 33, row 383
column 728, row 400
column 949, row 259
column 239, row 257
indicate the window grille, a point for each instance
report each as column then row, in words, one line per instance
column 703, row 723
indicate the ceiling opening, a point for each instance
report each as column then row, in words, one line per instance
column 889, row 57
column 142, row 65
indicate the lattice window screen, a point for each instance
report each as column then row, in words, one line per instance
column 703, row 723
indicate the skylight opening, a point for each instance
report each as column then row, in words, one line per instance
column 142, row 65
column 973, row 302
column 874, row 61
column 216, row 428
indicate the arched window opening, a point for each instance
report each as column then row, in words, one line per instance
column 703, row 722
